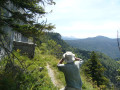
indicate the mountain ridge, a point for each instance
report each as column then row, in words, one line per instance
column 102, row 44
column 110, row 64
column 74, row 38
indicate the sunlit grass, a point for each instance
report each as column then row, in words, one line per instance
column 37, row 79
column 32, row 78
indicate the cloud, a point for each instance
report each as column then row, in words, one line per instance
column 82, row 30
column 92, row 26
column 86, row 17
column 86, row 35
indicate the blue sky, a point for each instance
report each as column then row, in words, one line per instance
column 85, row 18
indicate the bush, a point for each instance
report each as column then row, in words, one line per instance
column 27, row 76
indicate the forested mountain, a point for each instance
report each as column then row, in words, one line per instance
column 100, row 43
column 50, row 48
column 19, row 72
column 110, row 64
column 64, row 46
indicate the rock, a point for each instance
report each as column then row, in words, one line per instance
column 41, row 68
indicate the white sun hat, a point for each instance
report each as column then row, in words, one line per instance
column 68, row 57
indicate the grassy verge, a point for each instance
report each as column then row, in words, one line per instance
column 87, row 85
column 35, row 77
column 58, row 75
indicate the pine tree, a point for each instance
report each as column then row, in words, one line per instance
column 118, row 71
column 118, row 78
column 95, row 70
column 23, row 16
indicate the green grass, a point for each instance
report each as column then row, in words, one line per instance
column 33, row 78
column 87, row 85
column 58, row 75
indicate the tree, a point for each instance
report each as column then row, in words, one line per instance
column 118, row 77
column 54, row 48
column 95, row 70
column 24, row 18
column 21, row 17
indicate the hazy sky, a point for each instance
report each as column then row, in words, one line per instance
column 85, row 18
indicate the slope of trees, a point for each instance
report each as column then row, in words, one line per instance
column 100, row 43
column 118, row 77
column 110, row 64
column 56, row 37
column 50, row 45
column 95, row 70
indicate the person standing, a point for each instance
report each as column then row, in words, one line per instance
column 71, row 71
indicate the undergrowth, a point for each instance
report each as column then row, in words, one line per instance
column 33, row 76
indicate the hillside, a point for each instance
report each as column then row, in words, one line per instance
column 110, row 64
column 100, row 43
column 37, row 75
column 50, row 48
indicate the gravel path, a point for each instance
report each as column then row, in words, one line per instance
column 52, row 76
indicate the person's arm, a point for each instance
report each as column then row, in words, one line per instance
column 61, row 61
column 78, row 59
column 60, row 65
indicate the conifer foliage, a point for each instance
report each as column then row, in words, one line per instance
column 22, row 16
column 118, row 78
column 95, row 70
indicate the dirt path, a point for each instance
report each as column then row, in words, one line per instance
column 52, row 76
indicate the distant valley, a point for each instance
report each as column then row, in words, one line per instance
column 102, row 44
